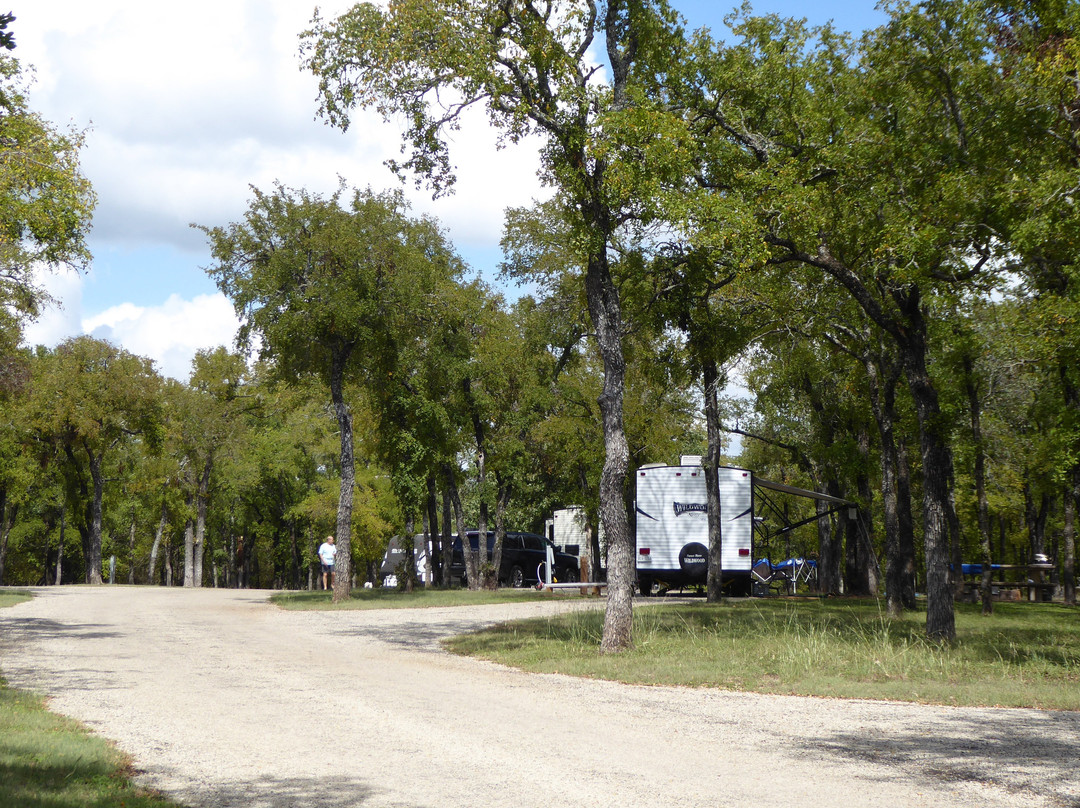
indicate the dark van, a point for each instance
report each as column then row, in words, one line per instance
column 524, row 557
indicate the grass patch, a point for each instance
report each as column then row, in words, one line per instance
column 48, row 761
column 9, row 597
column 1026, row 655
column 420, row 598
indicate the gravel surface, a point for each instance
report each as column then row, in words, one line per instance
column 224, row 700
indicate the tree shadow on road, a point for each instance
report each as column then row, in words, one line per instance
column 1022, row 752
column 416, row 636
column 317, row 791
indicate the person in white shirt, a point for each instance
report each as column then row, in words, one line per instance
column 327, row 552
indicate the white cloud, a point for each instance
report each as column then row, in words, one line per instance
column 171, row 333
column 185, row 108
column 185, row 115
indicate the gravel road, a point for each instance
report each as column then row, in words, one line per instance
column 224, row 700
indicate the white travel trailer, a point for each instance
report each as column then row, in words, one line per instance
column 672, row 523
column 673, row 526
column 395, row 557
column 567, row 528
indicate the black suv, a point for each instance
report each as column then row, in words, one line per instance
column 524, row 556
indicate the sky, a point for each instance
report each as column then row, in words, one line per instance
column 187, row 106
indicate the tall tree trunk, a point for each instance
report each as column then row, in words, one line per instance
column 592, row 534
column 937, row 466
column 605, row 312
column 60, row 546
column 408, row 548
column 982, row 508
column 502, row 500
column 297, row 559
column 343, row 531
column 830, row 541
column 883, row 405
column 162, row 523
column 131, row 549
column 828, row 576
column 715, row 581
column 168, row 561
column 956, row 541
column 202, row 501
column 907, row 524
column 7, row 521
column 447, row 538
column 189, row 542
column 468, row 554
column 1035, row 516
column 1072, row 496
column 867, row 558
column 487, row 576
column 93, row 558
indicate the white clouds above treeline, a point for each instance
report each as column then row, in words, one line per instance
column 187, row 106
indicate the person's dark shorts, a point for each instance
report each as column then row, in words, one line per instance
column 327, row 568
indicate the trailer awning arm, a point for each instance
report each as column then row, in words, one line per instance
column 799, row 492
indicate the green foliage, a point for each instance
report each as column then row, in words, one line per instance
column 45, row 201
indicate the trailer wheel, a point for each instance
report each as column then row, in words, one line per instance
column 645, row 584
column 516, row 577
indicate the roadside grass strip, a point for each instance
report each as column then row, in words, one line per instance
column 1025, row 655
column 9, row 597
column 49, row 761
column 419, row 598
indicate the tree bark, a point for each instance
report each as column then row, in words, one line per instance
column 907, row 524
column 189, row 542
column 883, row 405
column 1035, row 516
column 937, row 470
column 343, row 530
column 982, row 508
column 467, row 552
column 60, row 546
column 162, row 522
column 830, row 544
column 447, row 537
column 866, row 556
column 202, row 501
column 604, row 309
column 487, row 577
column 435, row 557
column 408, row 549
column 7, row 521
column 502, row 500
column 131, row 549
column 93, row 556
column 715, row 581
column 1072, row 496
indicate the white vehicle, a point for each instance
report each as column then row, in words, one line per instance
column 673, row 526
column 566, row 528
column 395, row 557
column 672, row 523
